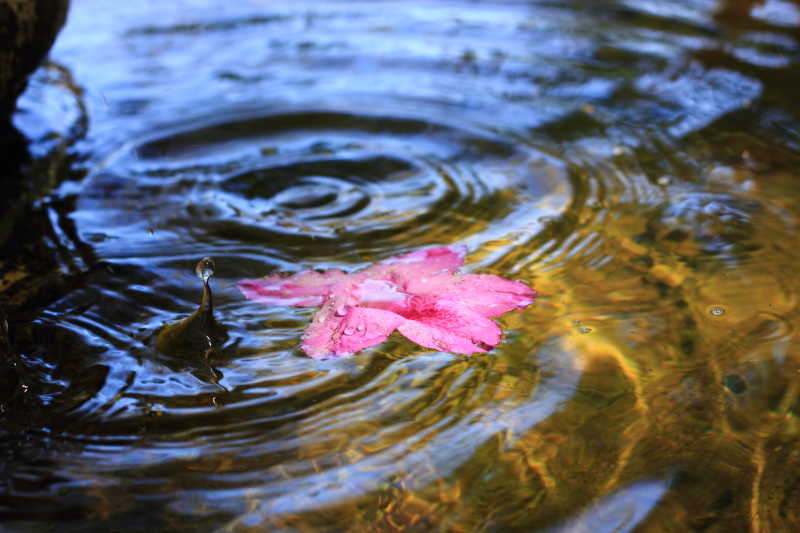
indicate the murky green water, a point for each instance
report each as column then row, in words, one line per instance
column 634, row 161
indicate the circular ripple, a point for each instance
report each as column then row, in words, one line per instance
column 299, row 189
column 346, row 183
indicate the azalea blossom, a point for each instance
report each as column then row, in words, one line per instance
column 418, row 294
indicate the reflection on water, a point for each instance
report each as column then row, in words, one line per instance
column 633, row 161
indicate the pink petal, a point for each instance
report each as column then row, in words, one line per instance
column 375, row 291
column 487, row 294
column 418, row 293
column 431, row 261
column 304, row 289
column 447, row 325
column 338, row 331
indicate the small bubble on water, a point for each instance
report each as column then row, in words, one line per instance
column 735, row 383
column 349, row 330
column 585, row 330
column 204, row 269
column 716, row 310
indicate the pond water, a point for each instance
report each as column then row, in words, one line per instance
column 635, row 161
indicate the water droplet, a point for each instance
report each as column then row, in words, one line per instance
column 716, row 310
column 341, row 311
column 349, row 330
column 205, row 269
column 360, row 328
column 585, row 330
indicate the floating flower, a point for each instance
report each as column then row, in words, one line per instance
column 419, row 294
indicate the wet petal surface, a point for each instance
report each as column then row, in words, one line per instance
column 418, row 293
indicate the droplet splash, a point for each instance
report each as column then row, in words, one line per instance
column 200, row 333
column 205, row 269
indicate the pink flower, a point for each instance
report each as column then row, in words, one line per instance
column 419, row 294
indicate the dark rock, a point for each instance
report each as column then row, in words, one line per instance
column 28, row 29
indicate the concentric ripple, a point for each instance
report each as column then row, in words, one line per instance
column 285, row 191
column 361, row 184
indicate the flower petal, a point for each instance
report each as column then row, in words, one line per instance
column 304, row 289
column 428, row 262
column 492, row 295
column 489, row 295
column 446, row 325
column 418, row 293
column 344, row 330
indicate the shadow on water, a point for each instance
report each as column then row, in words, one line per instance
column 635, row 162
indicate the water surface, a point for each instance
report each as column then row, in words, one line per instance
column 633, row 161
